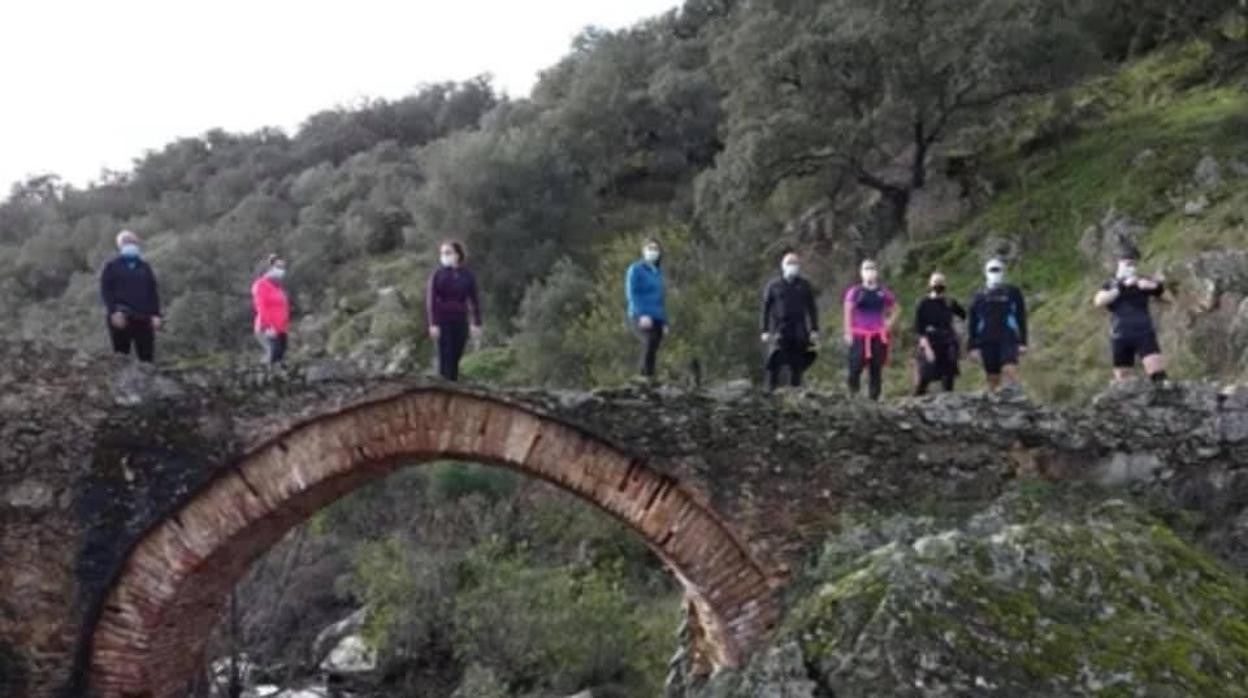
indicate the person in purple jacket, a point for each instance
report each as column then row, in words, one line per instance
column 451, row 301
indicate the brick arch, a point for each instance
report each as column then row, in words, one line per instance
column 153, row 624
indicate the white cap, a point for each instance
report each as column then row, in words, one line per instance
column 127, row 236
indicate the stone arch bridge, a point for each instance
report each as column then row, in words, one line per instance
column 132, row 500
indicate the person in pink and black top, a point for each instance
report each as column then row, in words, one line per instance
column 870, row 310
column 450, row 303
column 268, row 298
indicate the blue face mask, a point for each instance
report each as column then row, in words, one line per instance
column 130, row 250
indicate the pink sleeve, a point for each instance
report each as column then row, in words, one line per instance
column 848, row 295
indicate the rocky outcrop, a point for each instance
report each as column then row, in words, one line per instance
column 1039, row 595
column 1115, row 233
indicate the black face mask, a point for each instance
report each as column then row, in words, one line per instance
column 939, row 289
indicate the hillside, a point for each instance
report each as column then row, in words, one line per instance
column 709, row 129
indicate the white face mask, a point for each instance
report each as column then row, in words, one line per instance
column 1126, row 271
column 995, row 277
column 870, row 276
column 277, row 273
column 651, row 254
column 791, row 270
column 449, row 259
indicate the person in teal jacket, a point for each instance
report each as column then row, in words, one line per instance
column 647, row 314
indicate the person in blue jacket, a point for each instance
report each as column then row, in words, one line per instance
column 131, row 300
column 997, row 326
column 647, row 313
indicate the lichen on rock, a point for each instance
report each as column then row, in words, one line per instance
column 1031, row 597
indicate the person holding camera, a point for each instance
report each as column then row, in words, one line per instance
column 131, row 300
column 1132, row 334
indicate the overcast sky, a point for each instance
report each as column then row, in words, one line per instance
column 89, row 84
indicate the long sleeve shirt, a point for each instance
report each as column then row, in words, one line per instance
column 934, row 317
column 451, row 297
column 128, row 284
column 645, row 291
column 268, row 298
column 789, row 308
column 997, row 314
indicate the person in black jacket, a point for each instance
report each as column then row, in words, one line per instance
column 790, row 323
column 1132, row 334
column 131, row 300
column 997, row 326
column 938, row 341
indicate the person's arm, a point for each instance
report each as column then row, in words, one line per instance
column 474, row 300
column 431, row 300
column 107, row 294
column 1022, row 317
column 957, row 309
column 919, row 321
column 894, row 309
column 630, row 288
column 847, row 315
column 812, row 308
column 1106, row 295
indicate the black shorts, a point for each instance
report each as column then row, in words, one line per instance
column 998, row 354
column 1125, row 349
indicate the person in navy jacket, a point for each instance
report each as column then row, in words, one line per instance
column 647, row 314
column 131, row 300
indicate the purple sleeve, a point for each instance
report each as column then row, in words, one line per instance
column 849, row 294
column 890, row 300
column 430, row 298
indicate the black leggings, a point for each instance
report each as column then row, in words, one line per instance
column 650, row 341
column 790, row 353
column 943, row 369
column 875, row 366
column 137, row 333
column 452, row 340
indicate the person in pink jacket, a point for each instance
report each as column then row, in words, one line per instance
column 268, row 297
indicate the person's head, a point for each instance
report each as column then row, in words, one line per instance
column 651, row 251
column 451, row 254
column 1127, row 267
column 870, row 272
column 128, row 243
column 936, row 284
column 994, row 272
column 276, row 268
column 791, row 265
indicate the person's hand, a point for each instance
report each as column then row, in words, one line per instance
column 157, row 322
column 1022, row 349
column 475, row 331
column 928, row 353
column 270, row 333
column 645, row 322
column 973, row 355
column 849, row 339
column 814, row 337
column 766, row 337
column 1128, row 283
column 118, row 320
column 435, row 332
